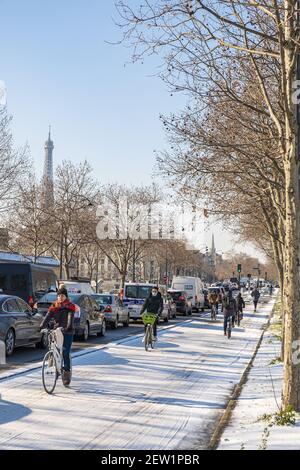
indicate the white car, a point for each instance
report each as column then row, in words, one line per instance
column 112, row 309
column 79, row 286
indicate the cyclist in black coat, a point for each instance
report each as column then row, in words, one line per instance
column 154, row 304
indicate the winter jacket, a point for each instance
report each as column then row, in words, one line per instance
column 229, row 306
column 153, row 304
column 255, row 294
column 240, row 302
column 213, row 298
column 62, row 315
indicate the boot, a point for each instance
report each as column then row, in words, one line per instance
column 66, row 378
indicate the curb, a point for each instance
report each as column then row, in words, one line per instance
column 233, row 400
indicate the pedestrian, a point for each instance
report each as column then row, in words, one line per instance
column 271, row 289
column 240, row 305
column 229, row 309
column 61, row 313
column 255, row 295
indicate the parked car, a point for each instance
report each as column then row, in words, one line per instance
column 78, row 285
column 27, row 281
column 182, row 301
column 19, row 325
column 88, row 318
column 194, row 288
column 114, row 311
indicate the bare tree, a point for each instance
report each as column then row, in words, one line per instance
column 14, row 164
column 206, row 37
column 31, row 228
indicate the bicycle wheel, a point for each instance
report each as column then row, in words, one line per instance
column 229, row 329
column 49, row 372
column 147, row 337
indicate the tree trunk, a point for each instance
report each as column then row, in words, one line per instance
column 291, row 292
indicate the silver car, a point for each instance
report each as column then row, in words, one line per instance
column 112, row 308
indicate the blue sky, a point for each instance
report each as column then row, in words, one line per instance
column 59, row 70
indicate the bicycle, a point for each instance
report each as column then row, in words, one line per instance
column 214, row 312
column 229, row 326
column 53, row 360
column 149, row 319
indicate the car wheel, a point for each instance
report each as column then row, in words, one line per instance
column 44, row 343
column 114, row 325
column 86, row 332
column 126, row 323
column 166, row 319
column 10, row 342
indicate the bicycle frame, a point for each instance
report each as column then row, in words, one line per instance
column 57, row 352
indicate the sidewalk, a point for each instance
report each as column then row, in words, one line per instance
column 261, row 395
column 125, row 398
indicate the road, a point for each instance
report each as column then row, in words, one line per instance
column 31, row 355
column 123, row 397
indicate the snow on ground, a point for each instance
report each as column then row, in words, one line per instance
column 123, row 397
column 261, row 395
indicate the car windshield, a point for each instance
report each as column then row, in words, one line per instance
column 52, row 297
column 176, row 295
column 103, row 299
column 137, row 292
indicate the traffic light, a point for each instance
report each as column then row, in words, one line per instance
column 239, row 268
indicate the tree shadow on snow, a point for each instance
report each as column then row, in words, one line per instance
column 10, row 411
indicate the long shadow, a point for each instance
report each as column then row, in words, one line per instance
column 163, row 400
column 10, row 411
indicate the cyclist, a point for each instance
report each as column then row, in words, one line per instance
column 213, row 299
column 154, row 304
column 61, row 313
column 229, row 309
column 240, row 305
column 255, row 295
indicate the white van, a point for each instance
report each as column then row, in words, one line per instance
column 193, row 286
column 77, row 286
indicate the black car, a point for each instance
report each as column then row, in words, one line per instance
column 19, row 325
column 182, row 301
column 26, row 280
column 88, row 319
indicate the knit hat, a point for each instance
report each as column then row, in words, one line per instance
column 62, row 290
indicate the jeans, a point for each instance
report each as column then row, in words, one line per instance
column 255, row 304
column 226, row 319
column 68, row 339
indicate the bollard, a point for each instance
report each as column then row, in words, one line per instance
column 2, row 353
